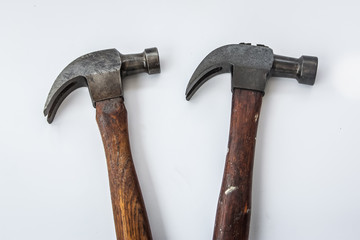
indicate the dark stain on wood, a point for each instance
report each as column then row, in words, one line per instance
column 234, row 205
column 130, row 217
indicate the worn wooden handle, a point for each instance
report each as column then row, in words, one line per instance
column 234, row 205
column 131, row 221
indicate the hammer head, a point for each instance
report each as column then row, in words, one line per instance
column 251, row 66
column 102, row 72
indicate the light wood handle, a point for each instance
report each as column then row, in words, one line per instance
column 130, row 217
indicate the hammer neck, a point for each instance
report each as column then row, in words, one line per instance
column 285, row 67
column 132, row 64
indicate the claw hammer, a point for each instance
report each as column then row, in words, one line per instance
column 251, row 67
column 102, row 72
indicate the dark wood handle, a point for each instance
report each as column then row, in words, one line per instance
column 131, row 221
column 234, row 205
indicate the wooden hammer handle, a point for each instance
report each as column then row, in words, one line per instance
column 131, row 221
column 234, row 205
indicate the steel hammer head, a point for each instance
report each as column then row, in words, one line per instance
column 251, row 66
column 102, row 72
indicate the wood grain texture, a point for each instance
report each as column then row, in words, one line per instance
column 131, row 221
column 234, row 205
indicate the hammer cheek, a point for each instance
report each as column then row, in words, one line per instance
column 104, row 86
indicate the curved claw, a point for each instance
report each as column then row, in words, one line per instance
column 81, row 73
column 214, row 63
column 57, row 97
column 201, row 76
column 229, row 58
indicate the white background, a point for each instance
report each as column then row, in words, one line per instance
column 53, row 178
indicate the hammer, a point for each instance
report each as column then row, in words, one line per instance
column 251, row 67
column 102, row 72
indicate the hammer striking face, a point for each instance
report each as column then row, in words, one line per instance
column 102, row 72
column 250, row 67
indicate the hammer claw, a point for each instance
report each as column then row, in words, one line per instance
column 224, row 59
column 58, row 96
column 102, row 73
column 198, row 79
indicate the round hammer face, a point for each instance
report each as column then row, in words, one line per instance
column 308, row 69
column 152, row 60
column 248, row 61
